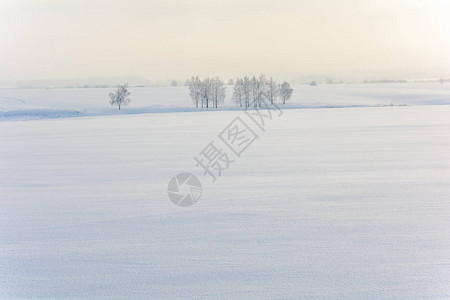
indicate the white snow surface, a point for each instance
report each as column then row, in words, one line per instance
column 326, row 203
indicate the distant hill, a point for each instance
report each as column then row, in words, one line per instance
column 76, row 82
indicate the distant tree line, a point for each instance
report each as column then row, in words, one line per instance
column 247, row 92
column 385, row 81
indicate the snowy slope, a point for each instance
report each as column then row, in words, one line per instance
column 327, row 203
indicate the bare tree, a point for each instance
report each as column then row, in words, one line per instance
column 195, row 90
column 285, row 91
column 253, row 91
column 247, row 90
column 120, row 97
column 217, row 91
column 272, row 90
column 206, row 86
column 260, row 90
column 238, row 93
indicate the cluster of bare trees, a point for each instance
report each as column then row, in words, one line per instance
column 248, row 92
column 257, row 90
column 208, row 92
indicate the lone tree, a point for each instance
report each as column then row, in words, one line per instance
column 120, row 97
column 285, row 91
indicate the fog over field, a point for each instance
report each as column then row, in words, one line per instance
column 347, row 39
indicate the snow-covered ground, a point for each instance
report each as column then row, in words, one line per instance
column 25, row 104
column 327, row 203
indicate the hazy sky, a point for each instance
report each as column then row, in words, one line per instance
column 157, row 39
